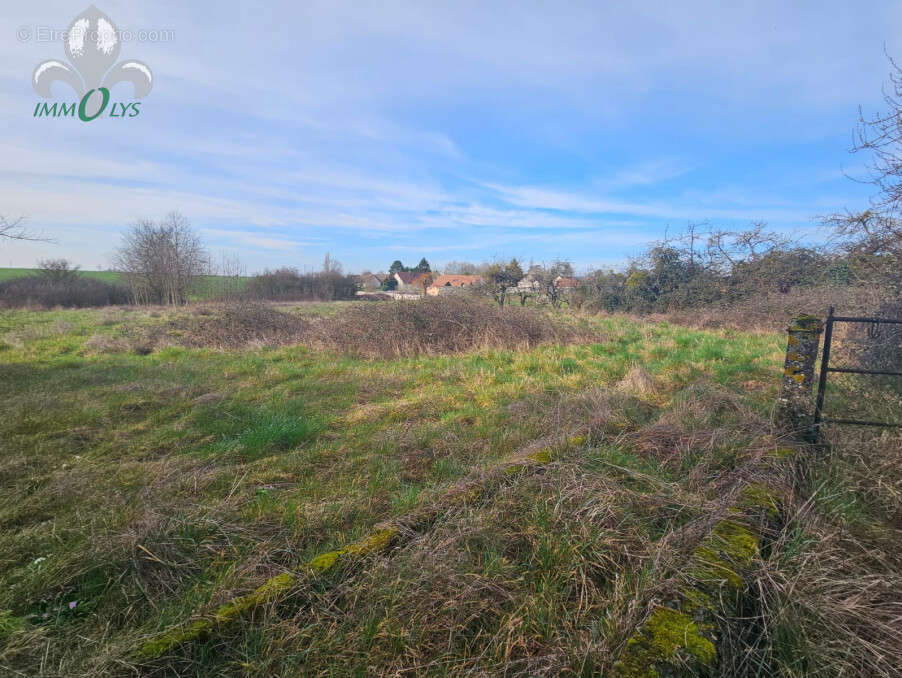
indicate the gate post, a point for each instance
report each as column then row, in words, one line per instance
column 793, row 407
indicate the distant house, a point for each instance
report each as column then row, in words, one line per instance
column 449, row 283
column 566, row 282
column 371, row 282
column 405, row 280
column 528, row 284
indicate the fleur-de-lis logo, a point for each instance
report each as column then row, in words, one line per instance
column 92, row 45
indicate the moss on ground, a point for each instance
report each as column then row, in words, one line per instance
column 669, row 637
column 758, row 497
column 673, row 640
column 721, row 558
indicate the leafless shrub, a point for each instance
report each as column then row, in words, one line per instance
column 57, row 270
column 882, row 352
column 289, row 284
column 161, row 261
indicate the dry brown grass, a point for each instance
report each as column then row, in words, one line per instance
column 638, row 382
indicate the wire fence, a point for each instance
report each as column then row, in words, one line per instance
column 860, row 381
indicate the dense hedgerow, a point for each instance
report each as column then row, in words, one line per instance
column 288, row 284
column 76, row 291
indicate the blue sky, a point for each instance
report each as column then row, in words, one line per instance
column 455, row 131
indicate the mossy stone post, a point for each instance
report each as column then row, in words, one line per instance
column 793, row 408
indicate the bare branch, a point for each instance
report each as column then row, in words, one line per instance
column 14, row 229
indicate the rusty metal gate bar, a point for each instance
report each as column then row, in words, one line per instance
column 819, row 417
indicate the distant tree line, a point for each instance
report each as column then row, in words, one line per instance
column 165, row 263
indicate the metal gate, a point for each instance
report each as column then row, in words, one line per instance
column 860, row 381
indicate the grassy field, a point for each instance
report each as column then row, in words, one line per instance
column 106, row 276
column 142, row 486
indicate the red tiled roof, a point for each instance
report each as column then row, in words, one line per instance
column 456, row 280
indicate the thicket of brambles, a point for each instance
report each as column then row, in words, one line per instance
column 708, row 268
column 701, row 267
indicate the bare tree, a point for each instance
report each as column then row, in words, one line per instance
column 460, row 268
column 331, row 265
column 14, row 229
column 728, row 249
column 871, row 246
column 547, row 281
column 871, row 241
column 881, row 135
column 161, row 261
